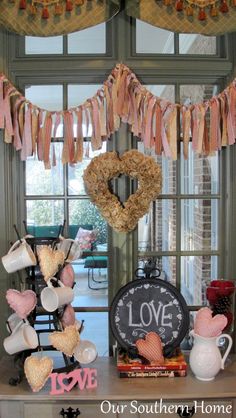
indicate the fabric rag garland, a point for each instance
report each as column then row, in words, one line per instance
column 32, row 130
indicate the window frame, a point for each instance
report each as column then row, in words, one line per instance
column 150, row 69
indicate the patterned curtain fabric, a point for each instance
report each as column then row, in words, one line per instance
column 207, row 17
column 54, row 17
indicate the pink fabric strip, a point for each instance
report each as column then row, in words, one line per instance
column 16, row 130
column 40, row 136
column 57, row 124
column 26, row 150
column 96, row 124
column 186, row 122
column 1, row 104
column 158, row 142
column 121, row 94
column 8, row 125
column 224, row 136
column 232, row 97
column 230, row 124
column 47, row 134
column 201, row 127
column 148, row 139
column 80, row 138
column 34, row 128
column 68, row 153
column 214, row 118
column 165, row 113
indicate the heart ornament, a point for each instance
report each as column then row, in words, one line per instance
column 67, row 275
column 68, row 317
column 151, row 348
column 123, row 218
column 21, row 302
column 37, row 371
column 50, row 261
column 207, row 326
column 65, row 341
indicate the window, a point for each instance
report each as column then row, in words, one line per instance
column 181, row 230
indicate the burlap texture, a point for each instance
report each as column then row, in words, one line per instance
column 157, row 14
column 91, row 13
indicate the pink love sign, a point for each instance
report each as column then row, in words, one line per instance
column 61, row 382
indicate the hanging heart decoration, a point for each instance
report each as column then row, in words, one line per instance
column 65, row 341
column 37, row 371
column 50, row 261
column 21, row 302
column 105, row 167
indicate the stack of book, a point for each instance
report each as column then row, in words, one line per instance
column 175, row 366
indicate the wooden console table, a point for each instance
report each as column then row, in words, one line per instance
column 126, row 398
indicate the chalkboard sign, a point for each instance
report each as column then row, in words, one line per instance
column 146, row 305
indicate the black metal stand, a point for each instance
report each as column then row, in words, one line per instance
column 42, row 321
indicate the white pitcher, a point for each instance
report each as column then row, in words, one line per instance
column 205, row 358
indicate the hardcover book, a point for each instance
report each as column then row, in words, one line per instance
column 125, row 363
column 153, row 373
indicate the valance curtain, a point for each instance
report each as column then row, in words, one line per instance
column 55, row 17
column 59, row 17
column 208, row 17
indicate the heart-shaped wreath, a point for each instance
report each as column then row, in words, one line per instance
column 123, row 218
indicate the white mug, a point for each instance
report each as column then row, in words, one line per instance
column 85, row 352
column 73, row 252
column 18, row 257
column 54, row 297
column 24, row 337
column 13, row 321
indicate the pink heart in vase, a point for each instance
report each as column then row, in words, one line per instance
column 207, row 326
column 21, row 302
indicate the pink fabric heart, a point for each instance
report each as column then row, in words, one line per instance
column 67, row 275
column 22, row 303
column 68, row 317
column 208, row 326
column 151, row 348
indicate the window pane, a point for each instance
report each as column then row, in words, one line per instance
column 167, row 265
column 88, row 41
column 157, row 229
column 39, row 181
column 150, row 39
column 199, row 174
column 168, row 168
column 82, row 213
column 79, row 93
column 196, row 93
column 196, row 271
column 91, row 288
column 197, row 44
column 75, row 172
column 48, row 97
column 95, row 330
column 45, row 212
column 199, row 224
column 162, row 90
column 40, row 45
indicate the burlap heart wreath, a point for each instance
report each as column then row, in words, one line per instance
column 123, row 218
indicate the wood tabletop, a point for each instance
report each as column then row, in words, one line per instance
column 111, row 387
